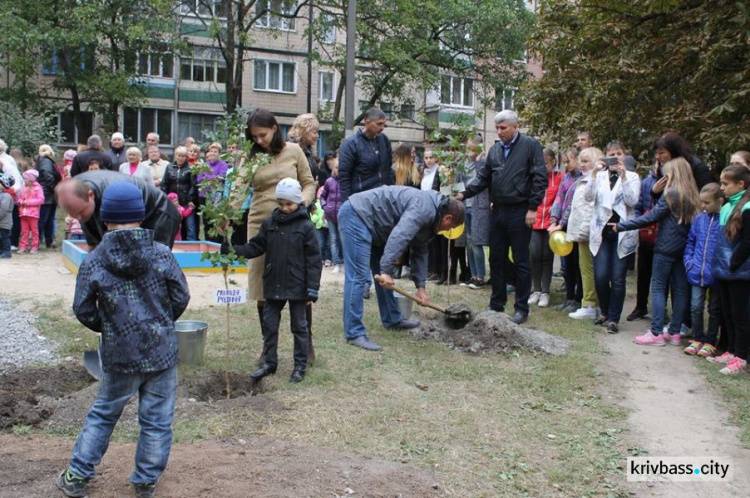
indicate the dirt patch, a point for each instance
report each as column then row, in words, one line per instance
column 212, row 386
column 23, row 392
column 492, row 332
column 252, row 466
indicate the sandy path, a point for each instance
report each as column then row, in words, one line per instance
column 673, row 412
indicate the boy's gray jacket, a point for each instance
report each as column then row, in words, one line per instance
column 399, row 218
column 6, row 210
column 132, row 290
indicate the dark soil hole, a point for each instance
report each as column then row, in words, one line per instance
column 213, row 387
column 21, row 390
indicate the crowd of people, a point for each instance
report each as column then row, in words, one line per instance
column 373, row 212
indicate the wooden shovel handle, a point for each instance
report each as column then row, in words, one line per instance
column 408, row 295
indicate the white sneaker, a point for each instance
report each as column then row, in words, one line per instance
column 534, row 298
column 405, row 272
column 327, row 263
column 583, row 313
column 336, row 269
column 544, row 300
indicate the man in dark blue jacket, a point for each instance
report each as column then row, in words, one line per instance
column 517, row 178
column 365, row 158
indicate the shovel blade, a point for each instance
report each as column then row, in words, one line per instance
column 93, row 363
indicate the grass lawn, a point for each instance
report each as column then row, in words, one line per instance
column 515, row 425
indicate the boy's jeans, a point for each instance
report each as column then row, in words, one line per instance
column 697, row 304
column 4, row 242
column 157, row 392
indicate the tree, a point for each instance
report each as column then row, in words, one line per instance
column 91, row 51
column 26, row 129
column 633, row 70
column 405, row 47
column 229, row 23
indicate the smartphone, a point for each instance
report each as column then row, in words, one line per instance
column 609, row 161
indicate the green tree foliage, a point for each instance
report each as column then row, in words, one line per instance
column 26, row 130
column 634, row 69
column 405, row 46
column 89, row 48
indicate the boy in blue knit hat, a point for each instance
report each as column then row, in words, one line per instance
column 293, row 266
column 130, row 290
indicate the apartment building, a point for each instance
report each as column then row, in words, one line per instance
column 186, row 94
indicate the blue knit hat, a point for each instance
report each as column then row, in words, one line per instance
column 122, row 202
column 290, row 190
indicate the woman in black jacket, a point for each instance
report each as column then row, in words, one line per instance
column 49, row 177
column 179, row 179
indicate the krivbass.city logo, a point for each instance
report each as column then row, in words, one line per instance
column 694, row 469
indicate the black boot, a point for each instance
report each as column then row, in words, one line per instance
column 262, row 358
column 263, row 371
column 297, row 375
column 310, row 347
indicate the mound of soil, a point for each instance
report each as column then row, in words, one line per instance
column 23, row 391
column 492, row 332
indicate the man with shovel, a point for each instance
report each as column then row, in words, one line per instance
column 377, row 226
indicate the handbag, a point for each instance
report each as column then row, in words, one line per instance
column 647, row 235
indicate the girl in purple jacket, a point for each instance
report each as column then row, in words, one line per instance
column 330, row 199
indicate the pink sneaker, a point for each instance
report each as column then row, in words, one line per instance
column 649, row 339
column 674, row 340
column 707, row 351
column 723, row 359
column 735, row 366
column 693, row 348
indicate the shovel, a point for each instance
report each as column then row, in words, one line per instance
column 456, row 315
column 92, row 361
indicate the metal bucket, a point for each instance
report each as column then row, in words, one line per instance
column 404, row 305
column 191, row 341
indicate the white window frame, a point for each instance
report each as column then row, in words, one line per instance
column 513, row 92
column 149, row 56
column 321, row 97
column 268, row 19
column 152, row 127
column 190, row 8
column 462, row 81
column 329, row 37
column 281, row 64
column 75, row 139
column 210, row 56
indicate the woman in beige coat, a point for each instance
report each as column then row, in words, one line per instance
column 286, row 161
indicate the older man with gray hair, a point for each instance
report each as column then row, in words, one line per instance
column 94, row 152
column 517, row 177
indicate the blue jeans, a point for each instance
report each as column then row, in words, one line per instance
column 47, row 224
column 474, row 253
column 5, row 242
column 156, row 401
column 668, row 270
column 610, row 273
column 190, row 227
column 325, row 250
column 508, row 230
column 335, row 240
column 697, row 304
column 362, row 260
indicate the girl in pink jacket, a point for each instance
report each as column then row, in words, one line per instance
column 29, row 203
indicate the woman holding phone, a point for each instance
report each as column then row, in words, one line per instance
column 615, row 193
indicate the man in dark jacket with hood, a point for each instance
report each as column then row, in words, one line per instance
column 377, row 227
column 82, row 160
column 517, row 178
column 365, row 158
column 81, row 198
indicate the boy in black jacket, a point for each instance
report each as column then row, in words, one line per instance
column 292, row 273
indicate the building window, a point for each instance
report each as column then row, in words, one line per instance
column 161, row 65
column 69, row 132
column 326, row 86
column 329, row 35
column 193, row 125
column 137, row 123
column 203, row 8
column 54, row 61
column 364, row 105
column 274, row 76
column 271, row 14
column 207, row 64
column 457, row 91
column 505, row 99
column 387, row 109
column 407, row 111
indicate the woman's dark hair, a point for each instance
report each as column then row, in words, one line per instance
column 264, row 119
column 331, row 154
column 675, row 144
column 737, row 173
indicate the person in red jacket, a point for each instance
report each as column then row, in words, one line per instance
column 542, row 257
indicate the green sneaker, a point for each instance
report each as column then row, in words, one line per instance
column 145, row 490
column 72, row 485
